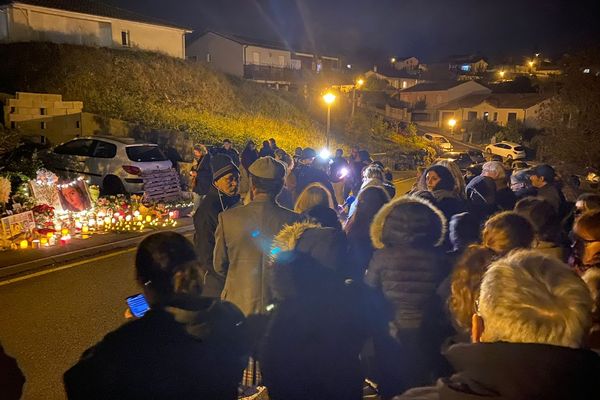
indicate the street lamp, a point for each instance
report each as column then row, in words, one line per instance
column 502, row 73
column 452, row 124
column 393, row 60
column 358, row 84
column 329, row 98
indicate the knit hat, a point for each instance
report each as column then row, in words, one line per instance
column 267, row 168
column 446, row 179
column 222, row 165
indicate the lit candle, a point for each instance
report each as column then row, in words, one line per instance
column 64, row 232
column 78, row 224
column 148, row 218
column 23, row 244
column 44, row 242
column 85, row 229
column 107, row 220
column 92, row 222
column 49, row 235
column 35, row 243
column 128, row 218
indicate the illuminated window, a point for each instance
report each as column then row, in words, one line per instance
column 404, row 84
column 208, row 58
column 586, row 71
column 465, row 68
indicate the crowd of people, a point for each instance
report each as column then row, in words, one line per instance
column 309, row 276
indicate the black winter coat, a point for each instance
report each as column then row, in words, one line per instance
column 205, row 225
column 305, row 175
column 204, row 176
column 191, row 349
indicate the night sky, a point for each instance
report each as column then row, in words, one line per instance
column 365, row 29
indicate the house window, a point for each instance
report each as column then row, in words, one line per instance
column 125, row 38
column 486, row 116
column 43, row 111
column 13, row 125
column 512, row 117
column 281, row 60
column 13, row 110
column 495, row 116
column 256, row 57
column 472, row 115
column 208, row 58
column 404, row 84
column 43, row 125
column 77, row 124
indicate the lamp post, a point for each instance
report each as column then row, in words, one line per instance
column 358, row 84
column 329, row 98
column 452, row 124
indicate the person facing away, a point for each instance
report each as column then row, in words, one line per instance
column 528, row 334
column 266, row 150
column 546, row 225
column 249, row 155
column 407, row 267
column 185, row 347
column 318, row 324
column 315, row 203
column 201, row 172
column 306, row 174
column 481, row 190
column 244, row 235
column 223, row 195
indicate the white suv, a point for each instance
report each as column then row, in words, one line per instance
column 507, row 150
column 438, row 140
column 113, row 163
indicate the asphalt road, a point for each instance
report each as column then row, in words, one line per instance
column 47, row 321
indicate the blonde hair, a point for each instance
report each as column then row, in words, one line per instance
column 507, row 231
column 528, row 297
column 313, row 195
column 591, row 277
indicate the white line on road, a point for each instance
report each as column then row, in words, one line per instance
column 403, row 180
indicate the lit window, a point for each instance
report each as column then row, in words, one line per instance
column 125, row 38
column 586, row 71
column 465, row 68
column 404, row 85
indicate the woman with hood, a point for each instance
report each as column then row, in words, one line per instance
column 318, row 323
column 441, row 185
column 407, row 267
column 185, row 346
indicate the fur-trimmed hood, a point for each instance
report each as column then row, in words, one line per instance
column 288, row 237
column 408, row 220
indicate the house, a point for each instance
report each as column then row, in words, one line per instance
column 467, row 64
column 254, row 59
column 405, row 63
column 424, row 99
column 500, row 108
column 87, row 22
column 399, row 79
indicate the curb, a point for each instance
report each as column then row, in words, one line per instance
column 47, row 262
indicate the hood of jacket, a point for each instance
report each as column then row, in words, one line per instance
column 521, row 371
column 378, row 224
column 204, row 317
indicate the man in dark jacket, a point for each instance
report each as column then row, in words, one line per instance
column 306, row 174
column 543, row 179
column 222, row 196
column 201, row 175
column 228, row 149
column 528, row 344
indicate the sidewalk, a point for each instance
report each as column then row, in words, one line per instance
column 15, row 262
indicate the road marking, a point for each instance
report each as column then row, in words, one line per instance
column 66, row 266
column 403, row 180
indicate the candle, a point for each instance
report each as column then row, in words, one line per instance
column 78, row 224
column 148, row 218
column 107, row 220
column 49, row 235
column 44, row 241
column 65, row 239
column 52, row 241
column 128, row 218
column 85, row 229
column 35, row 243
column 64, row 232
column 23, row 244
column 92, row 222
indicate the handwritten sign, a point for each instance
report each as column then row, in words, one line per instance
column 14, row 225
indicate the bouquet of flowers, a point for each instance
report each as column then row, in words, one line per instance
column 44, row 216
column 4, row 193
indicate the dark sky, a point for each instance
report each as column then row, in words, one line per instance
column 430, row 29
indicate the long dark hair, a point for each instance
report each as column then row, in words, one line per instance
column 369, row 202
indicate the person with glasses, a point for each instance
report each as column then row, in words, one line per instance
column 585, row 242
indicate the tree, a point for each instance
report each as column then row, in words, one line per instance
column 375, row 84
column 571, row 119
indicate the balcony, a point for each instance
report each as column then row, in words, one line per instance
column 272, row 74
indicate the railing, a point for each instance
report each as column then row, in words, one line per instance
column 271, row 73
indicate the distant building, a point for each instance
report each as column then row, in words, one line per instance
column 86, row 22
column 500, row 108
column 399, row 79
column 467, row 64
column 406, row 63
column 257, row 60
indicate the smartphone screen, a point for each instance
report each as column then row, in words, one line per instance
column 138, row 305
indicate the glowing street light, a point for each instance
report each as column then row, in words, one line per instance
column 502, row 73
column 393, row 60
column 359, row 82
column 328, row 98
column 452, row 124
column 531, row 63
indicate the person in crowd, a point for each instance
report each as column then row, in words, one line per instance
column 228, row 149
column 286, row 197
column 501, row 234
column 315, row 203
column 528, row 334
column 297, row 154
column 585, row 247
column 369, row 202
column 305, row 174
column 244, row 235
column 481, row 190
column 373, row 175
column 440, row 184
column 357, row 164
column 222, row 196
column 586, row 202
column 546, row 225
column 273, row 145
column 520, row 184
column 11, row 377
column 307, row 354
column 337, row 173
column 459, row 180
column 543, row 179
column 186, row 346
column 201, row 175
column 591, row 277
column 407, row 267
column 463, row 231
column 266, row 150
column 249, row 155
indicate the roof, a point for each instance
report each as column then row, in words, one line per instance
column 496, row 100
column 395, row 73
column 464, row 102
column 464, row 58
column 433, row 86
column 95, row 8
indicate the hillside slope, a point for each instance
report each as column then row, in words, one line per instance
column 159, row 92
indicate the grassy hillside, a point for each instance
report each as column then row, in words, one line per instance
column 158, row 92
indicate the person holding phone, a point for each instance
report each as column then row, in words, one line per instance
column 184, row 346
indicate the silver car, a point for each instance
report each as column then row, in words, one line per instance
column 114, row 164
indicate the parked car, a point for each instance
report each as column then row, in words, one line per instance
column 476, row 156
column 114, row 164
column 517, row 165
column 462, row 159
column 508, row 150
column 439, row 141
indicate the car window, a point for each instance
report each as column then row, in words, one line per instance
column 428, row 137
column 145, row 153
column 519, row 148
column 104, row 149
column 502, row 146
column 77, row 147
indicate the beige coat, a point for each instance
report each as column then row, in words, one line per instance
column 242, row 253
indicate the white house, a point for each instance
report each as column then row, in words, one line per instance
column 398, row 79
column 87, row 22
